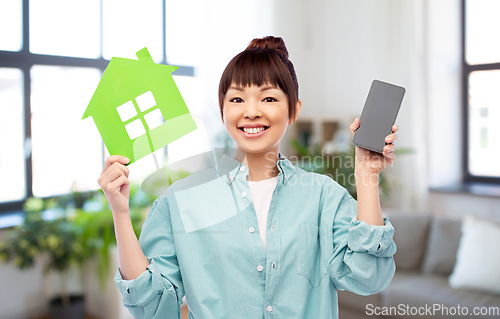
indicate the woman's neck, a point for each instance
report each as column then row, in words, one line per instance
column 261, row 166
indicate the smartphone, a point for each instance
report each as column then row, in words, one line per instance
column 378, row 115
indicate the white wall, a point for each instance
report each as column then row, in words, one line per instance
column 459, row 205
column 25, row 294
column 444, row 92
column 339, row 47
column 217, row 30
column 21, row 295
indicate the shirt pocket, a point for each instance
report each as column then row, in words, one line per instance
column 312, row 260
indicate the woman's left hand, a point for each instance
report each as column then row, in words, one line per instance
column 372, row 162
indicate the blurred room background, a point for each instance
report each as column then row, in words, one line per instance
column 53, row 53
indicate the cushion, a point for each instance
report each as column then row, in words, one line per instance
column 423, row 291
column 442, row 246
column 478, row 257
column 410, row 236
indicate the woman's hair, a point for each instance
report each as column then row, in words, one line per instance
column 264, row 61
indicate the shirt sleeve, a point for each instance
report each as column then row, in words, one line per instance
column 362, row 260
column 158, row 291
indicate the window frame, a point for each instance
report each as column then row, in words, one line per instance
column 24, row 60
column 467, row 69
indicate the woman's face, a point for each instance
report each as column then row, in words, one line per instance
column 256, row 117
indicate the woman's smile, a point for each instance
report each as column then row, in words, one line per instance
column 253, row 131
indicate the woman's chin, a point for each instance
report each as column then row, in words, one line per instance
column 250, row 149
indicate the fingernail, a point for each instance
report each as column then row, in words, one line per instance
column 126, row 159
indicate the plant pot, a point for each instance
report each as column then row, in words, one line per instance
column 75, row 310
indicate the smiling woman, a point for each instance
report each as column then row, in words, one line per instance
column 255, row 227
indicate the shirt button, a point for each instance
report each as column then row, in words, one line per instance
column 251, row 229
column 274, row 265
column 269, row 308
column 259, row 268
column 272, row 227
column 242, row 168
column 244, row 194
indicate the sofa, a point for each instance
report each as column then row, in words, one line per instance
column 427, row 248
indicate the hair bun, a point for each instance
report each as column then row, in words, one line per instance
column 269, row 42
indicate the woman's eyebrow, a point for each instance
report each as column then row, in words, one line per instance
column 269, row 87
column 264, row 88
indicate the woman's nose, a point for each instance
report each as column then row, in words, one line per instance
column 253, row 110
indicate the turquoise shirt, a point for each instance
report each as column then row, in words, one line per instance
column 202, row 241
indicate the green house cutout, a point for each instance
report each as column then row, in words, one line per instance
column 138, row 108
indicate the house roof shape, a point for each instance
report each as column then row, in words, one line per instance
column 122, row 82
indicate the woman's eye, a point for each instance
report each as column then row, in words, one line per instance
column 269, row 99
column 236, row 100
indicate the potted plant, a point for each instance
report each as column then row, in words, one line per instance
column 57, row 238
column 68, row 231
column 98, row 232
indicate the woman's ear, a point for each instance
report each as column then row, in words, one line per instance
column 298, row 107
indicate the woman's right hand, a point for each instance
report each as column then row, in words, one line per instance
column 115, row 184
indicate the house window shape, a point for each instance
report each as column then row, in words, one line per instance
column 140, row 115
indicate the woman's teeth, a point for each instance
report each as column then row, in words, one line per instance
column 253, row 130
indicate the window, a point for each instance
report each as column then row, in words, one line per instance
column 481, row 94
column 51, row 61
column 59, row 95
column 11, row 135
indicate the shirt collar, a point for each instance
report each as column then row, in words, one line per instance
column 228, row 168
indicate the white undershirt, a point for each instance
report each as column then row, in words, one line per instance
column 262, row 193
